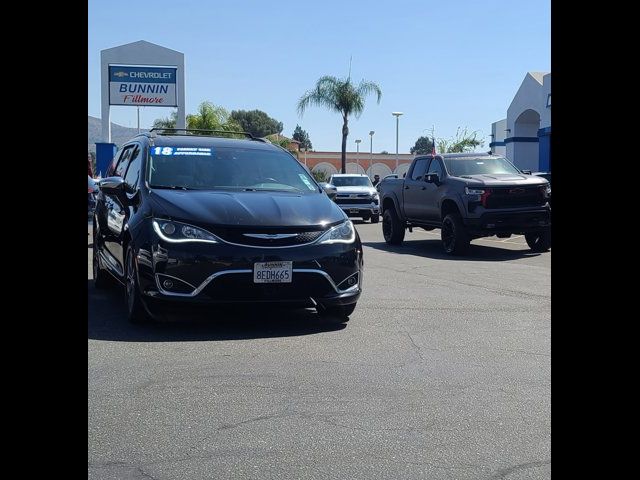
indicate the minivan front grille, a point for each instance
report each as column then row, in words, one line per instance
column 254, row 237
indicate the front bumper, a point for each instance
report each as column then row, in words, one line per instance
column 510, row 221
column 328, row 274
column 360, row 209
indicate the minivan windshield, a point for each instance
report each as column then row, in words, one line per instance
column 351, row 182
column 227, row 168
column 461, row 166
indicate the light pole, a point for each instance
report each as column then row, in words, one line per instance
column 397, row 115
column 357, row 153
column 371, row 158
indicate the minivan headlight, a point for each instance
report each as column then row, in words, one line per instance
column 343, row 233
column 176, row 232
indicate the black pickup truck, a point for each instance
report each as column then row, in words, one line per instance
column 467, row 196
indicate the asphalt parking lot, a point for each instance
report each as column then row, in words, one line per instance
column 443, row 372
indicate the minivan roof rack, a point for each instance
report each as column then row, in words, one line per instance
column 189, row 131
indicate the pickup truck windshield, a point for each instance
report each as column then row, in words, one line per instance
column 214, row 168
column 459, row 167
column 351, row 182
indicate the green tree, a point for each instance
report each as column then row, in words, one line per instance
column 256, row 122
column 211, row 117
column 423, row 146
column 462, row 142
column 168, row 122
column 303, row 137
column 320, row 175
column 341, row 96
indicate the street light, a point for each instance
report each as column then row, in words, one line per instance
column 397, row 115
column 371, row 159
column 357, row 152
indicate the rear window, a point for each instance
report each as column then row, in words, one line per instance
column 227, row 168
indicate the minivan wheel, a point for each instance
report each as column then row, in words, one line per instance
column 392, row 228
column 539, row 241
column 136, row 312
column 338, row 314
column 455, row 239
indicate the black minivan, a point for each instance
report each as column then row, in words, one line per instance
column 202, row 219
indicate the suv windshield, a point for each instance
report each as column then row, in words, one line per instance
column 459, row 167
column 212, row 168
column 351, row 182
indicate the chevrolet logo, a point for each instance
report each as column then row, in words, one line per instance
column 121, row 74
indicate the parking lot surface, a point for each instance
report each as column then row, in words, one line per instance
column 443, row 372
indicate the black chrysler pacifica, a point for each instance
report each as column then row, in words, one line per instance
column 208, row 220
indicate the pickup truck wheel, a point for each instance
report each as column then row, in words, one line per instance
column 392, row 227
column 455, row 238
column 539, row 241
column 375, row 218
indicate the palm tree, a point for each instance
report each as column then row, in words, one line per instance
column 339, row 95
column 212, row 117
column 168, row 123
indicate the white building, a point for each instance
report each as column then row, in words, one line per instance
column 524, row 137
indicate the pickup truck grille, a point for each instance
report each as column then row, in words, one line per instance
column 514, row 197
column 354, row 201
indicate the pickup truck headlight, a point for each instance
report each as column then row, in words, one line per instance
column 473, row 191
column 176, row 232
column 343, row 233
column 546, row 191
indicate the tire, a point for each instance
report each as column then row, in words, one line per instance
column 375, row 218
column 136, row 312
column 539, row 241
column 392, row 227
column 101, row 278
column 455, row 239
column 336, row 315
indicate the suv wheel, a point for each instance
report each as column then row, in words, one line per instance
column 455, row 238
column 539, row 241
column 392, row 227
column 136, row 312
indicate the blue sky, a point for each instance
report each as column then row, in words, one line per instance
column 444, row 64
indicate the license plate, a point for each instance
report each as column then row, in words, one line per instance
column 272, row 272
column 354, row 210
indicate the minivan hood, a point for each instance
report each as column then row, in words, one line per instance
column 497, row 179
column 222, row 208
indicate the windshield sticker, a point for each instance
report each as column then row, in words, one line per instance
column 479, row 163
column 176, row 151
column 306, row 181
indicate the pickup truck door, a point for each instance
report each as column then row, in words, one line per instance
column 431, row 194
column 413, row 189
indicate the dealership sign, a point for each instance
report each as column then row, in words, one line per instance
column 140, row 85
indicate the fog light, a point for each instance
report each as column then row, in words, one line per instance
column 351, row 281
column 169, row 228
column 168, row 284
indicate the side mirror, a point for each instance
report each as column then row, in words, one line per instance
column 112, row 185
column 432, row 178
column 526, row 172
column 330, row 190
